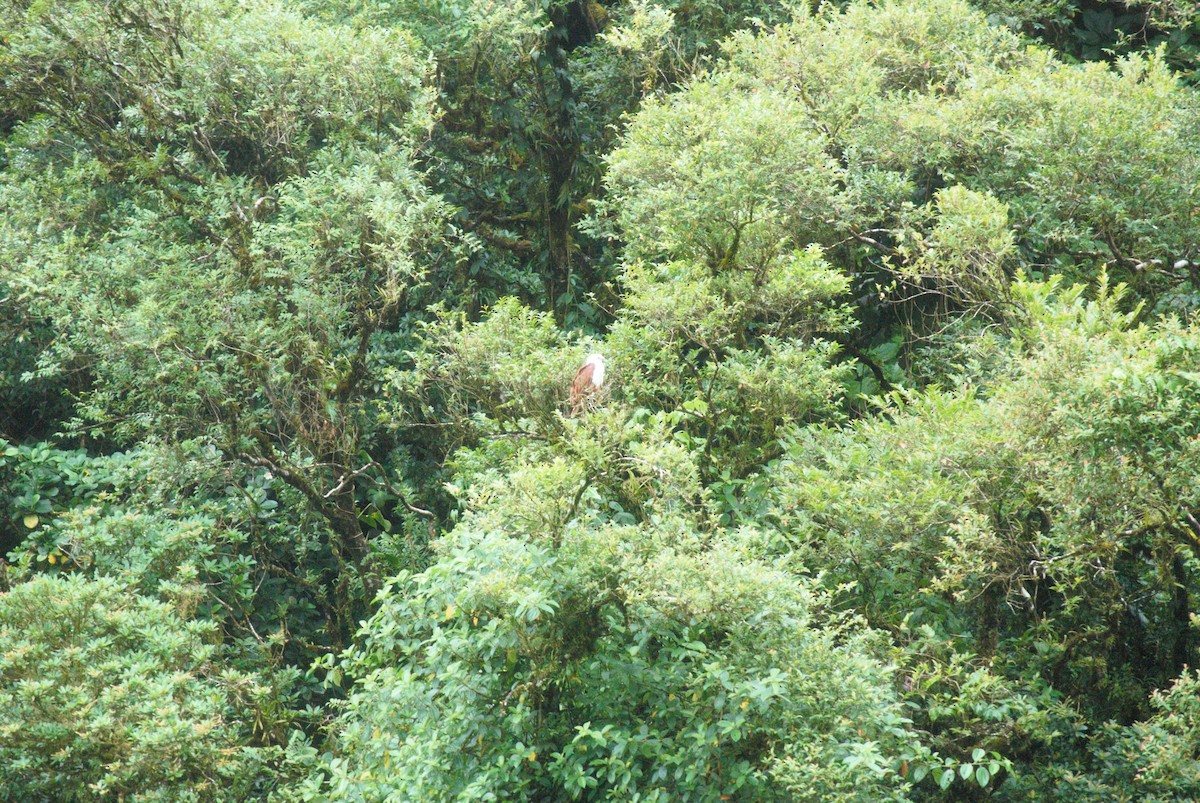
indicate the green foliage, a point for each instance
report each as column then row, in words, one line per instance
column 558, row 649
column 177, row 526
column 1070, row 190
column 732, row 353
column 41, row 482
column 506, row 371
column 110, row 695
column 531, row 94
column 964, row 253
column 1051, row 523
column 1164, row 747
column 721, row 306
column 205, row 87
column 949, row 151
column 1102, row 30
column 29, row 406
column 720, row 177
column 1152, row 760
column 291, row 297
column 249, row 267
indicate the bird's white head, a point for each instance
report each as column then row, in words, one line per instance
column 598, row 372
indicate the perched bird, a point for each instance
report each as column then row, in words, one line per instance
column 588, row 380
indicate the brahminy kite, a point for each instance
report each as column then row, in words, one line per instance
column 588, row 380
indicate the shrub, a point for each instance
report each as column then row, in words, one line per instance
column 106, row 694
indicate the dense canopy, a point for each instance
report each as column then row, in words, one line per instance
column 890, row 491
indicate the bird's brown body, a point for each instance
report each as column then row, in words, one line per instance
column 588, row 380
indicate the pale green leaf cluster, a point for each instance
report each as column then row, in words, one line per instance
column 876, row 124
column 107, row 694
